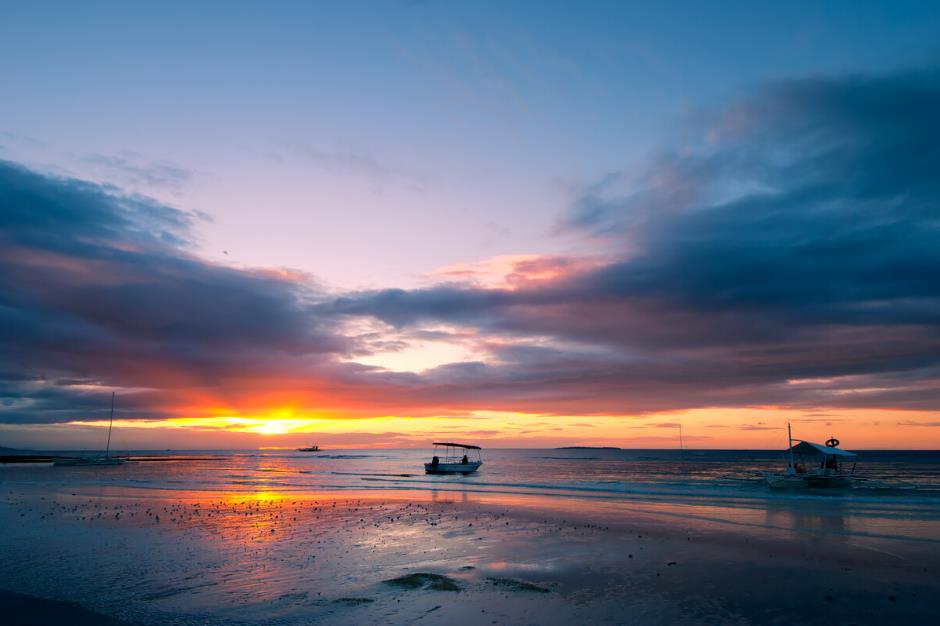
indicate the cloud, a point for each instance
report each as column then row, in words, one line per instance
column 349, row 162
column 759, row 426
column 135, row 171
column 784, row 255
column 97, row 288
column 792, row 236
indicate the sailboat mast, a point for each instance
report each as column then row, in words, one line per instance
column 107, row 450
column 790, row 443
column 681, row 446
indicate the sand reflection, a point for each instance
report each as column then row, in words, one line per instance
column 820, row 522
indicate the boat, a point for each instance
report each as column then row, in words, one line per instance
column 454, row 458
column 105, row 459
column 814, row 466
column 309, row 449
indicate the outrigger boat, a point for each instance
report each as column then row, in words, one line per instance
column 107, row 459
column 454, row 459
column 309, row 449
column 826, row 467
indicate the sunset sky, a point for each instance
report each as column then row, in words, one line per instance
column 384, row 224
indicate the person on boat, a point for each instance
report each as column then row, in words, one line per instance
column 435, row 462
column 831, row 463
column 464, row 460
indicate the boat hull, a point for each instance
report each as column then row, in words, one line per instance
column 807, row 481
column 452, row 468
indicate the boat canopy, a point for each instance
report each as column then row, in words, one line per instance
column 808, row 447
column 458, row 445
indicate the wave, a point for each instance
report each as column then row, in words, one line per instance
column 741, row 491
column 361, row 474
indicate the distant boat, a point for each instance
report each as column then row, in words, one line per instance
column 456, row 459
column 309, row 449
column 825, row 467
column 106, row 459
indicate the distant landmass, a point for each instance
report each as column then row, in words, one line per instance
column 16, row 455
column 588, row 448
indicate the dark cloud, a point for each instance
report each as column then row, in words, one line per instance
column 792, row 237
column 96, row 288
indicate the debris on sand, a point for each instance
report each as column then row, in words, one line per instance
column 353, row 601
column 516, row 584
column 424, row 580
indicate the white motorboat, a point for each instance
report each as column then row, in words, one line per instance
column 814, row 466
column 454, row 458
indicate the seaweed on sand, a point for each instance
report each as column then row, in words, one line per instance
column 424, row 580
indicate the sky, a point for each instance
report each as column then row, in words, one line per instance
column 522, row 224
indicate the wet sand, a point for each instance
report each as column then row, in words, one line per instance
column 156, row 557
column 23, row 610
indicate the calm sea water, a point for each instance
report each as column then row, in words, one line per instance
column 725, row 476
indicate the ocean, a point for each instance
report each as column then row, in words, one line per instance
column 693, row 475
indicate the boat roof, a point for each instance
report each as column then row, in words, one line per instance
column 808, row 447
column 458, row 445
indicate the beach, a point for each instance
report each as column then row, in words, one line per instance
column 178, row 553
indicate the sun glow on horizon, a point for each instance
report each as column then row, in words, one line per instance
column 754, row 428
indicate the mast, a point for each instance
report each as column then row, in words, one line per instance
column 681, row 446
column 107, row 450
column 790, row 443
